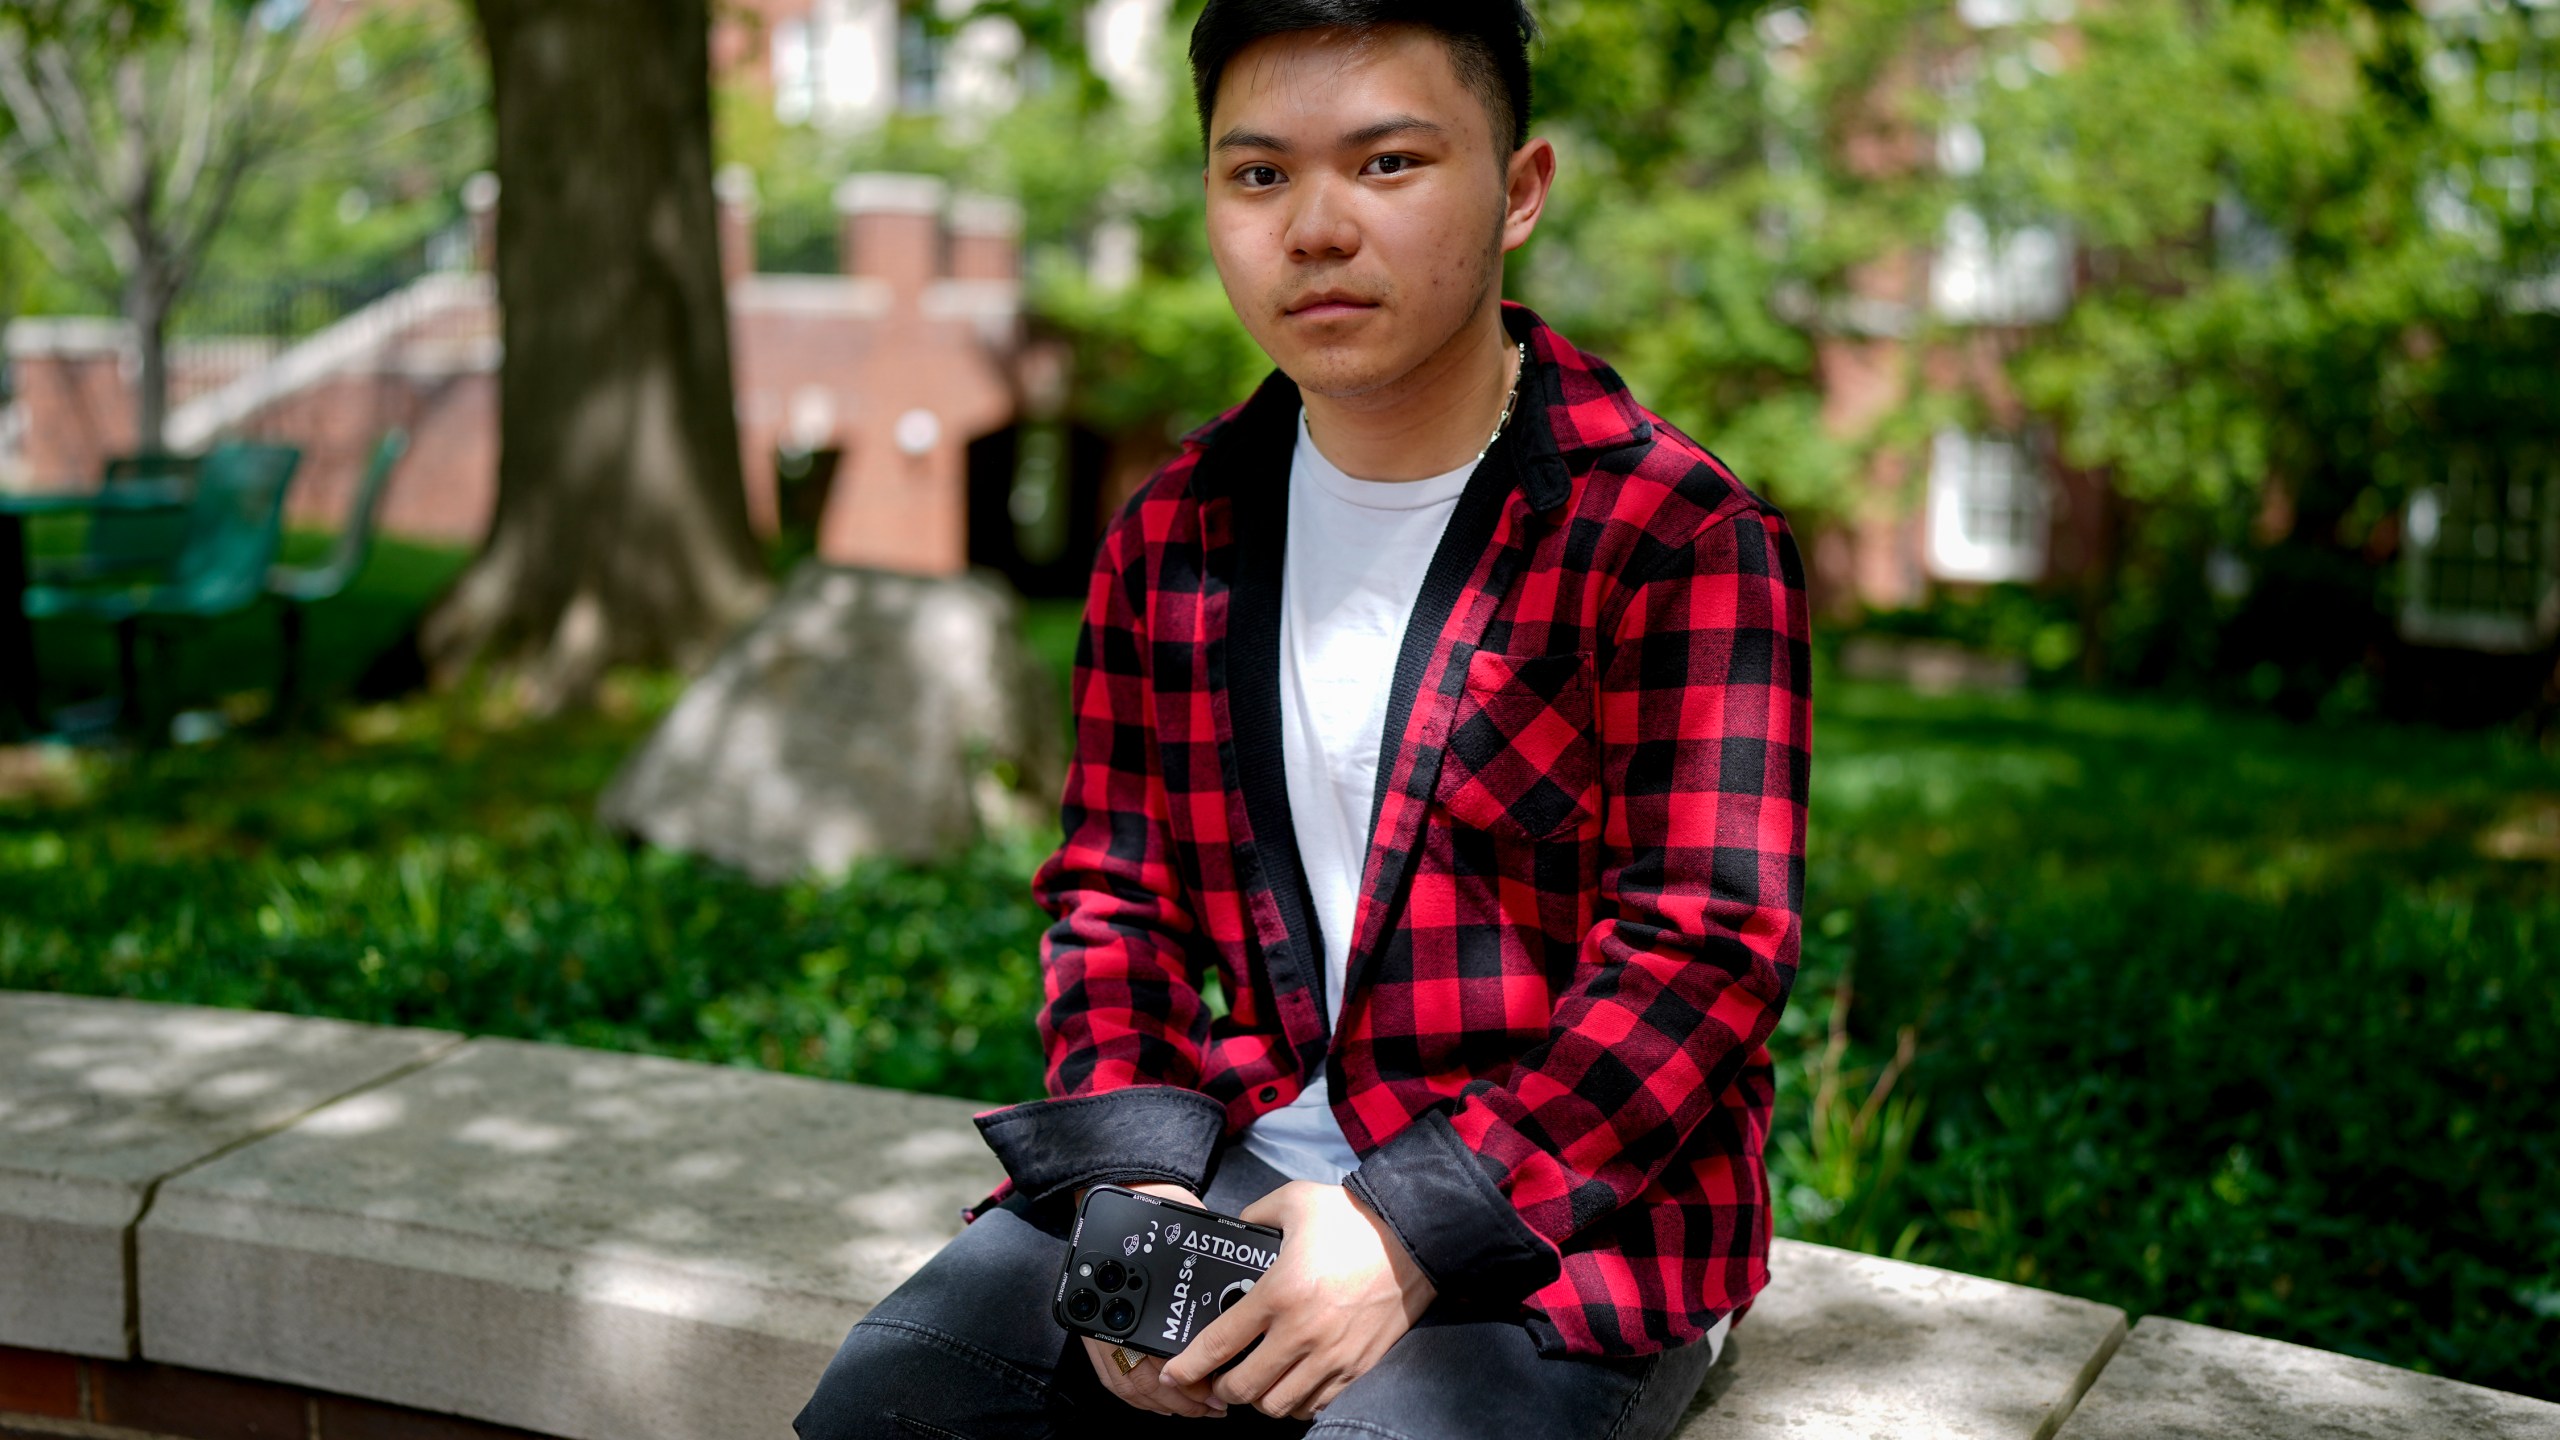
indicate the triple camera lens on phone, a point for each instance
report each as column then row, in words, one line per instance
column 1085, row 1301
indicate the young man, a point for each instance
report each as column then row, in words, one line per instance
column 1448, row 709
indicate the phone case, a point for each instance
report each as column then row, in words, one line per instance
column 1147, row 1273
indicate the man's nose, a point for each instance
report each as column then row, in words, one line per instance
column 1321, row 223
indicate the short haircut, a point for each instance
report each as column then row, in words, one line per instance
column 1488, row 41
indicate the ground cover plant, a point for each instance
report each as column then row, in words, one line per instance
column 2195, row 1012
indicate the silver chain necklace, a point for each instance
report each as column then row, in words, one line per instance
column 1507, row 402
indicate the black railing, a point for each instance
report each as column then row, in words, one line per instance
column 290, row 306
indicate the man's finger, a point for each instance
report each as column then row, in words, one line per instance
column 1139, row 1388
column 1253, row 1375
column 1288, row 1393
column 1220, row 1341
column 1147, row 1378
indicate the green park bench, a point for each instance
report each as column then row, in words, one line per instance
column 233, row 525
column 297, row 587
column 129, row 545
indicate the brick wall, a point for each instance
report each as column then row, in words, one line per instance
column 898, row 364
column 39, row 1390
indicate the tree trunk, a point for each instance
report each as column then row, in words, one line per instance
column 146, row 309
column 621, row 532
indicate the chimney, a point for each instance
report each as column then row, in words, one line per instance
column 735, row 189
column 986, row 238
column 892, row 230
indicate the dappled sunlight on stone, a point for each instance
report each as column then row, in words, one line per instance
column 565, row 1228
column 358, row 1115
column 1844, row 1346
column 104, row 1097
column 514, row 1136
column 2176, row 1381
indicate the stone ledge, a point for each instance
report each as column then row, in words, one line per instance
column 101, row 1100
column 2175, row 1381
column 1844, row 1346
column 600, row 1246
column 590, row 1245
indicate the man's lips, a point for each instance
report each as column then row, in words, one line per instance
column 1325, row 309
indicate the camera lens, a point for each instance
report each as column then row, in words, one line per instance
column 1119, row 1314
column 1082, row 1304
column 1110, row 1275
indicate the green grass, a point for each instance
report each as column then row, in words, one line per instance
column 2207, row 1015
column 2211, row 1016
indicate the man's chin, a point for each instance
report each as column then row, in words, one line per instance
column 1338, row 373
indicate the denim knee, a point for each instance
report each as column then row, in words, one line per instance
column 897, row 1380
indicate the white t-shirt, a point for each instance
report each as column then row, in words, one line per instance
column 1356, row 554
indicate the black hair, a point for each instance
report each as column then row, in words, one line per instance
column 1488, row 41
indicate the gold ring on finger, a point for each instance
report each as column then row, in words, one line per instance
column 1121, row 1358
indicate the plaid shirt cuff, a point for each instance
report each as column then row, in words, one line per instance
column 1454, row 1221
column 1118, row 1137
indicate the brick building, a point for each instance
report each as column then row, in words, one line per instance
column 878, row 384
column 893, row 407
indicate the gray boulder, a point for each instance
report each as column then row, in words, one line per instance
column 866, row 713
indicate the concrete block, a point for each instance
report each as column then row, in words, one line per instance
column 1843, row 1346
column 589, row 1245
column 2176, row 1381
column 100, row 1100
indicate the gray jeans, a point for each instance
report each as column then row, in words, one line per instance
column 967, row 1350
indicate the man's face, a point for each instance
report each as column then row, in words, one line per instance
column 1356, row 202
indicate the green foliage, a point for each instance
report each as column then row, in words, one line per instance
column 391, row 116
column 352, row 144
column 2209, row 1017
column 424, row 867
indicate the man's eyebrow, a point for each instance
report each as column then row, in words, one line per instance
column 1250, row 140
column 1365, row 135
column 1392, row 125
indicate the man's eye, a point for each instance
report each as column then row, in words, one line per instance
column 1392, row 164
column 1255, row 177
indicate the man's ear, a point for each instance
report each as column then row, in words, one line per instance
column 1528, row 177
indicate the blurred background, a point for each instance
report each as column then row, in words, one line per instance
column 2164, row 391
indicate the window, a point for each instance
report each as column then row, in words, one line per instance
column 2482, row 558
column 1987, row 509
column 1983, row 277
column 919, row 61
column 2524, row 99
column 795, row 89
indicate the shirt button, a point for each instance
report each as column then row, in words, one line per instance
column 1270, row 1093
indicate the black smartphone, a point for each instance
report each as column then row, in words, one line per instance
column 1147, row 1273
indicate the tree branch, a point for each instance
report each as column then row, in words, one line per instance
column 33, row 112
column 195, row 103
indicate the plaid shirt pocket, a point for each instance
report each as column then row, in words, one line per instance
column 1521, row 762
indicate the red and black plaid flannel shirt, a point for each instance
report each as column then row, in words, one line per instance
column 1579, row 916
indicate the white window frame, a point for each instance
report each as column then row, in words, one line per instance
column 1973, row 476
column 2449, row 514
column 1980, row 276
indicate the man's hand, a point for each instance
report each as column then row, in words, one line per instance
column 1142, row 1386
column 1342, row 1290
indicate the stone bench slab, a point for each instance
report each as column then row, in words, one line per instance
column 1843, row 1346
column 2173, row 1380
column 590, row 1245
column 100, row 1100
